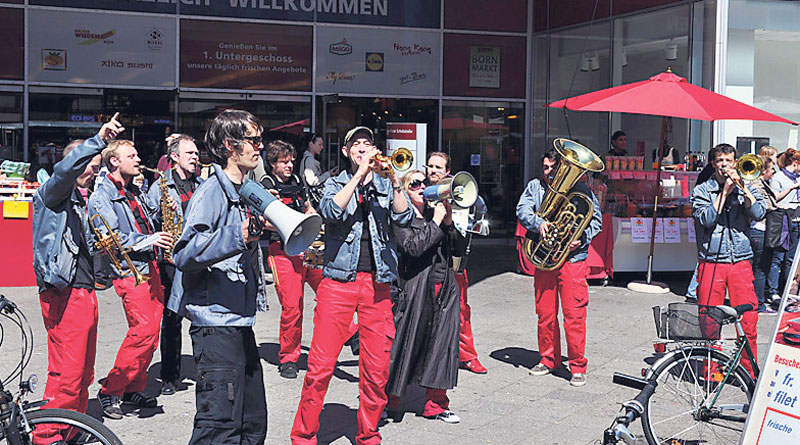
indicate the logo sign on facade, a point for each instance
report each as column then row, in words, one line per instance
column 54, row 59
column 137, row 51
column 341, row 48
column 374, row 62
column 484, row 67
column 353, row 60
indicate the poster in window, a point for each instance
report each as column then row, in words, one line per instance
column 484, row 67
column 75, row 47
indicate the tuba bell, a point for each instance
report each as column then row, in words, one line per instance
column 568, row 215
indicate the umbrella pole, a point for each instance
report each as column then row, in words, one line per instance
column 649, row 286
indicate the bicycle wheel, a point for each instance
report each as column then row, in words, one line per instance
column 74, row 428
column 677, row 413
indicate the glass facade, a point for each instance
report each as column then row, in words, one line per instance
column 761, row 68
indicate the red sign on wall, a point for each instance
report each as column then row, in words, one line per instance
column 12, row 50
column 245, row 55
column 401, row 131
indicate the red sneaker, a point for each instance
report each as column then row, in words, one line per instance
column 474, row 365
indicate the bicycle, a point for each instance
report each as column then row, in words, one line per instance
column 697, row 391
column 25, row 423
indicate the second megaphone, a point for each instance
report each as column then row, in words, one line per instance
column 461, row 188
column 297, row 230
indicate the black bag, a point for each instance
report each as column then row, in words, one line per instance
column 777, row 235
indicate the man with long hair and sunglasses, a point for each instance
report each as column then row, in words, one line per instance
column 358, row 206
column 567, row 283
column 438, row 168
column 219, row 285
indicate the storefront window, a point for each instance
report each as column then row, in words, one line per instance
column 645, row 45
column 485, row 139
column 283, row 117
column 762, row 68
column 11, row 126
column 59, row 117
column 339, row 114
column 579, row 63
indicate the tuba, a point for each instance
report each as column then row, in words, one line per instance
column 171, row 221
column 568, row 215
column 111, row 245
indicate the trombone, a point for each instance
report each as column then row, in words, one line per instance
column 110, row 244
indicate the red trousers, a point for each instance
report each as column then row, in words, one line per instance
column 70, row 318
column 436, row 402
column 333, row 316
column 712, row 280
column 144, row 306
column 466, row 343
column 568, row 284
column 290, row 274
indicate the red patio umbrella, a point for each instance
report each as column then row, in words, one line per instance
column 668, row 95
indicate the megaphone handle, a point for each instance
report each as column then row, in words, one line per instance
column 254, row 226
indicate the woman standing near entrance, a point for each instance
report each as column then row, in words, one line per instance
column 425, row 349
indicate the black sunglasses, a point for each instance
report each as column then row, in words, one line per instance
column 255, row 140
column 415, row 185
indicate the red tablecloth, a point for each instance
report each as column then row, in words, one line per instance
column 601, row 255
column 16, row 241
column 601, row 251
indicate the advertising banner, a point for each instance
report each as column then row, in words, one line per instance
column 75, row 47
column 392, row 62
column 774, row 415
column 245, row 55
column 483, row 65
column 12, row 51
column 412, row 137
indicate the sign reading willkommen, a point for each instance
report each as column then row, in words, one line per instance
column 74, row 47
column 358, row 60
column 774, row 416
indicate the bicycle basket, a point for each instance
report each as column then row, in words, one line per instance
column 688, row 321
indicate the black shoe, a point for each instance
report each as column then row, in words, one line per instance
column 102, row 285
column 112, row 405
column 139, row 399
column 168, row 388
column 288, row 370
column 355, row 345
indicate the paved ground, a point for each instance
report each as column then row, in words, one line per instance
column 506, row 406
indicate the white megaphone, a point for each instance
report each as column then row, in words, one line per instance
column 297, row 230
column 461, row 188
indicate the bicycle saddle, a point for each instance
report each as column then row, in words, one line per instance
column 733, row 313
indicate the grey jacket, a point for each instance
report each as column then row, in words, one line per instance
column 532, row 198
column 59, row 219
column 343, row 229
column 218, row 282
column 722, row 238
column 108, row 202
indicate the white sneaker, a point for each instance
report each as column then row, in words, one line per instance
column 446, row 417
column 539, row 370
column 775, row 298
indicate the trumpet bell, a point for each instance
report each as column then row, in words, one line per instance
column 402, row 159
column 749, row 167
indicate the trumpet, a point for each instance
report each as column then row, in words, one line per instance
column 749, row 167
column 400, row 160
column 111, row 245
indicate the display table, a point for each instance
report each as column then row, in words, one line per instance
column 667, row 257
column 16, row 240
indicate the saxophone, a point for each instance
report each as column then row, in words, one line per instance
column 171, row 221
